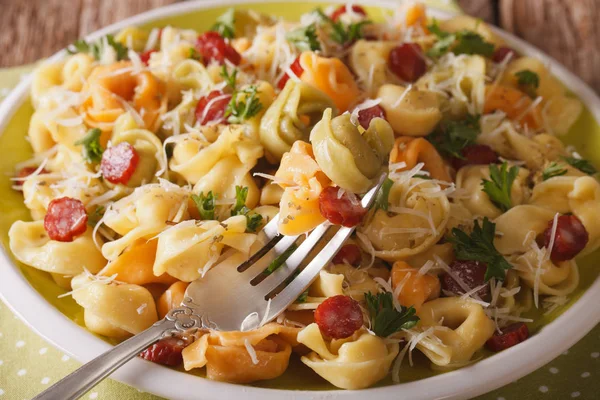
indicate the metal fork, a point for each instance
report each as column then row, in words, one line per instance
column 207, row 305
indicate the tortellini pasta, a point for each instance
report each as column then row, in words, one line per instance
column 350, row 159
column 297, row 108
column 353, row 363
column 368, row 60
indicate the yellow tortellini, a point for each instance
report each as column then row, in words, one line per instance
column 368, row 60
column 416, row 219
column 326, row 285
column 297, row 108
column 133, row 38
column 31, row 245
column 466, row 22
column 191, row 74
column 114, row 310
column 143, row 214
column 47, row 128
column 556, row 279
column 189, row 249
column 573, row 194
column 356, row 362
column 410, row 112
column 519, row 226
column 464, row 329
column 350, row 159
column 469, row 179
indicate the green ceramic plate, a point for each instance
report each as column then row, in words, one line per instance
column 33, row 294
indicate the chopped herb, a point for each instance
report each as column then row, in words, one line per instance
column 302, row 297
column 385, row 319
column 280, row 260
column 479, row 246
column 341, row 33
column 422, row 176
column 194, row 55
column 81, row 46
column 528, row 81
column 454, row 136
column 305, row 38
column 583, row 165
column 553, row 170
column 95, row 216
column 238, row 111
column 92, row 149
column 499, row 188
column 225, row 24
column 205, row 205
column 229, row 78
column 462, row 42
column 381, row 202
column 253, row 220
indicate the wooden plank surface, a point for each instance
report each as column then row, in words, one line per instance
column 565, row 29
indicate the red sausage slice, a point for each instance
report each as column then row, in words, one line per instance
column 502, row 52
column 365, row 116
column 349, row 253
column 165, row 352
column 211, row 108
column 24, row 173
column 340, row 210
column 407, row 62
column 212, row 47
column 476, row 154
column 339, row 316
column 472, row 273
column 571, row 237
column 66, row 218
column 510, row 336
column 119, row 163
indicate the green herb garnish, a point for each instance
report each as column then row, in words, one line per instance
column 96, row 49
column 205, row 205
column 422, row 176
column 479, row 246
column 553, row 170
column 305, row 38
column 92, row 149
column 253, row 220
column 194, row 55
column 225, row 24
column 528, row 81
column 462, row 42
column 229, row 78
column 341, row 33
column 499, row 188
column 583, row 165
column 381, row 202
column 454, row 136
column 279, row 260
column 385, row 319
column 240, row 110
column 302, row 297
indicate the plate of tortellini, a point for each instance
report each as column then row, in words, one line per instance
column 153, row 152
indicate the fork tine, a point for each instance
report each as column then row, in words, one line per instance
column 261, row 264
column 284, row 298
column 294, row 261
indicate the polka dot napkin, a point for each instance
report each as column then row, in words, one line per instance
column 28, row 364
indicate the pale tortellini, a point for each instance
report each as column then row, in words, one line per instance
column 416, row 219
column 133, row 37
column 326, row 285
column 143, row 214
column 573, row 194
column 520, row 225
column 353, row 363
column 189, row 249
column 48, row 128
column 410, row 111
column 31, row 245
column 112, row 309
column 368, row 60
column 469, row 179
column 191, row 74
column 545, row 276
column 297, row 108
column 350, row 159
column 227, row 357
column 466, row 22
column 460, row 326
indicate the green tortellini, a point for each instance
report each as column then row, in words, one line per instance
column 294, row 112
column 351, row 159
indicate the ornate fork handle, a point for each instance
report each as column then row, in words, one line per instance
column 87, row 376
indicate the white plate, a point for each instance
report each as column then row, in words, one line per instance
column 479, row 378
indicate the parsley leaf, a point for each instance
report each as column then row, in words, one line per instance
column 553, row 170
column 479, row 246
column 95, row 216
column 385, row 319
column 528, row 81
column 305, row 38
column 224, row 25
column 92, row 149
column 302, row 297
column 499, row 188
column 461, row 42
column 423, row 176
column 253, row 220
column 381, row 202
column 205, row 205
column 583, row 165
column 81, row 46
column 240, row 110
column 229, row 78
column 340, row 33
column 454, row 136
column 194, row 55
column 279, row 260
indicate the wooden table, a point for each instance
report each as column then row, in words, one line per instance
column 565, row 29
